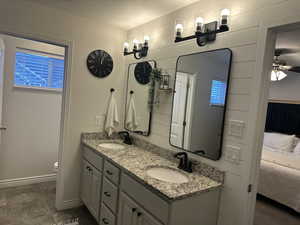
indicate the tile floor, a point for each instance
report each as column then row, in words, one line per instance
column 34, row 205
column 269, row 213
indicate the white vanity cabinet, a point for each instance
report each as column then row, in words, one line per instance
column 130, row 213
column 116, row 197
column 90, row 187
column 91, row 181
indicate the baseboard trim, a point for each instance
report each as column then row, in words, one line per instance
column 27, row 180
column 69, row 204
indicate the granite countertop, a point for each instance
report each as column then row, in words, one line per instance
column 136, row 161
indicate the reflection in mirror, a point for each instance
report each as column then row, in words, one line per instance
column 138, row 110
column 199, row 102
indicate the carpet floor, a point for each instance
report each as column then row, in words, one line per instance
column 269, row 212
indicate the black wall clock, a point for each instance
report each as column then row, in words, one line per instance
column 142, row 72
column 100, row 63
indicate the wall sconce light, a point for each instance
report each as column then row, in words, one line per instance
column 140, row 50
column 205, row 33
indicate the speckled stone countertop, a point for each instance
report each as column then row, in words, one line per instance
column 137, row 158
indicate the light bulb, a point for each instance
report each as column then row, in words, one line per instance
column 126, row 46
column 225, row 13
column 135, row 44
column 146, row 40
column 277, row 75
column 199, row 24
column 179, row 30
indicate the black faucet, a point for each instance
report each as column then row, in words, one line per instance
column 126, row 137
column 184, row 163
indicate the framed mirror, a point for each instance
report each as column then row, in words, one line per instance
column 138, row 110
column 199, row 102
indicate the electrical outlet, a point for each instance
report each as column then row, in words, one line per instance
column 233, row 154
column 236, row 128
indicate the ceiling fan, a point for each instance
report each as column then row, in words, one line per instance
column 280, row 66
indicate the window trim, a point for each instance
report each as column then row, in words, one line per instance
column 40, row 53
column 58, row 90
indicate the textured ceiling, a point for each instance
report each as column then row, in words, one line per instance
column 125, row 14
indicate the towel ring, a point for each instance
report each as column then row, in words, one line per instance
column 131, row 92
column 112, row 90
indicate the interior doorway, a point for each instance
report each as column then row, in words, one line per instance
column 278, row 199
column 33, row 87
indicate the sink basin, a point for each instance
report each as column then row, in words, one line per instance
column 114, row 146
column 167, row 174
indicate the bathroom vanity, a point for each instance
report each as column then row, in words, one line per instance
column 118, row 185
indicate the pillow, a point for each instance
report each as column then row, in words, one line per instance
column 278, row 141
column 297, row 148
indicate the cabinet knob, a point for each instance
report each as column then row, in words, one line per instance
column 107, row 194
column 109, row 172
column 133, row 209
column 105, row 221
column 139, row 214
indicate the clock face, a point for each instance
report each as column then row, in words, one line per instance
column 100, row 63
column 142, row 72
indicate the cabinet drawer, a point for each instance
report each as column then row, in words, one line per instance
column 110, row 194
column 150, row 201
column 106, row 217
column 112, row 172
column 93, row 158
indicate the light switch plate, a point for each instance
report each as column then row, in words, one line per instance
column 236, row 128
column 233, row 154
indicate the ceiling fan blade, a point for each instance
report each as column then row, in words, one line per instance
column 295, row 69
column 284, row 67
column 282, row 51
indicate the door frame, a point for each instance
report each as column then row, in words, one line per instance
column 264, row 57
column 65, row 107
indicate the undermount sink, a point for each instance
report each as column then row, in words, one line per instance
column 114, row 146
column 167, row 174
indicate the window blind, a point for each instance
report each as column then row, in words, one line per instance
column 35, row 70
column 218, row 93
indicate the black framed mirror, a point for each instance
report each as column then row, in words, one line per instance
column 138, row 112
column 199, row 102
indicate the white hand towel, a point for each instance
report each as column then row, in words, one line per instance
column 112, row 119
column 131, row 119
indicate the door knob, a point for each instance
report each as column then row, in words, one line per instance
column 2, row 128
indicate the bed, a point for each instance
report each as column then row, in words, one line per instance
column 280, row 170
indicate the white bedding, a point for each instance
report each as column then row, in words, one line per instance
column 280, row 177
column 283, row 158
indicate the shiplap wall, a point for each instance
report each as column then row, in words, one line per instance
column 242, row 40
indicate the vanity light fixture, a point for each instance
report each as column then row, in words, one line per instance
column 205, row 33
column 140, row 50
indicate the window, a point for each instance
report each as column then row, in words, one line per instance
column 218, row 93
column 39, row 70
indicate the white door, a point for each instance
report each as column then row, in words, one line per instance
column 2, row 126
column 31, row 114
column 178, row 115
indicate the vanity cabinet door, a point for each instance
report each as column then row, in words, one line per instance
column 144, row 218
column 127, row 211
column 85, row 183
column 96, row 183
